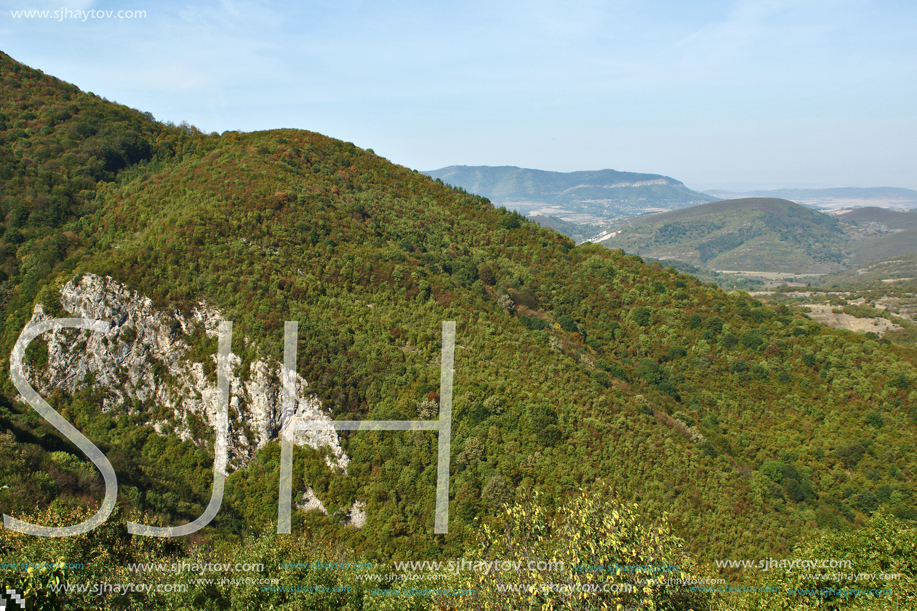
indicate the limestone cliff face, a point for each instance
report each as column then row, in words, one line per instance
column 143, row 364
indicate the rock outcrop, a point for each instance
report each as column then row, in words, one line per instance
column 143, row 364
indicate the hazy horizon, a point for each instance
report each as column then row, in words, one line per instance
column 734, row 187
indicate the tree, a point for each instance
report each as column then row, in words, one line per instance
column 604, row 555
column 642, row 316
column 885, row 548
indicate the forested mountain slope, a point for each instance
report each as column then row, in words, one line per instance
column 752, row 426
column 761, row 234
column 769, row 235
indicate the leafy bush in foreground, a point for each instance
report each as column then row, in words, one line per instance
column 605, row 557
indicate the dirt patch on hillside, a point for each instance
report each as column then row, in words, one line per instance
column 825, row 315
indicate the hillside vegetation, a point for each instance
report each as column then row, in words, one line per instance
column 898, row 273
column 770, row 236
column 879, row 234
column 750, row 426
column 747, row 234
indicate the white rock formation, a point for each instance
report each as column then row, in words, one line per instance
column 310, row 502
column 357, row 516
column 142, row 364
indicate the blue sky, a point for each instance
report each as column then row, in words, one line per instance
column 732, row 94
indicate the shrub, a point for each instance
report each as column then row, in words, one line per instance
column 567, row 323
column 738, row 366
column 850, row 453
column 676, row 352
column 751, row 340
column 648, row 370
column 713, row 328
column 642, row 316
column 600, row 378
column 533, row 322
column 883, row 545
column 497, row 492
column 593, row 540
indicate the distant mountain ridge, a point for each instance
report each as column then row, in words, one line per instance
column 585, row 196
column 832, row 198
